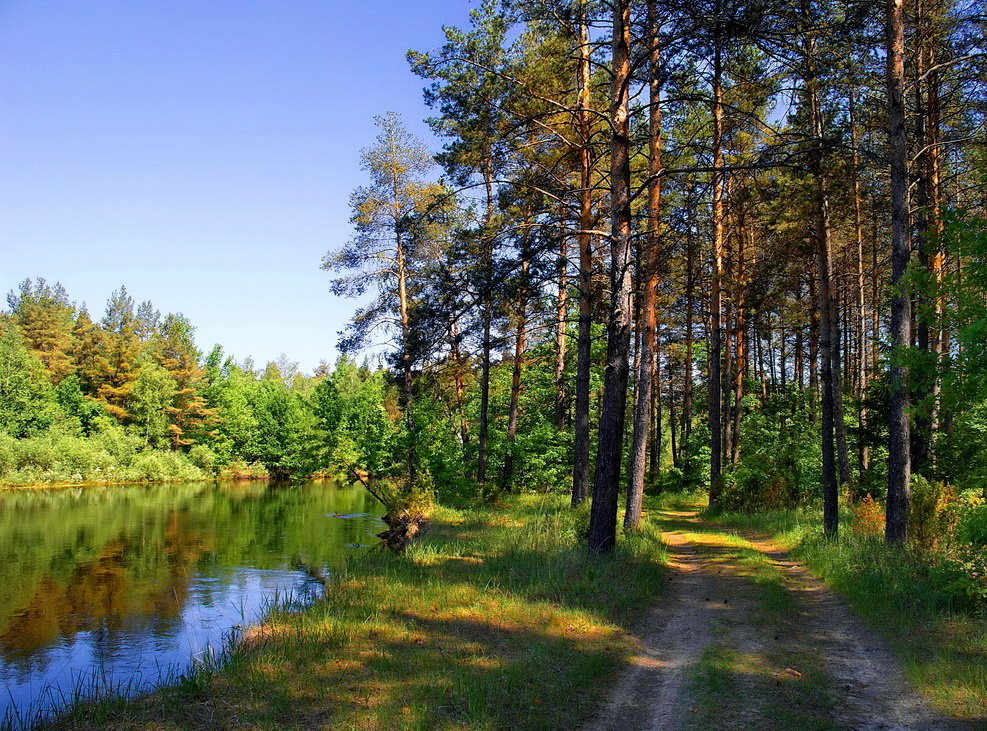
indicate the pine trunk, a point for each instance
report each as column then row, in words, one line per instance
column 602, row 533
column 648, row 321
column 899, row 452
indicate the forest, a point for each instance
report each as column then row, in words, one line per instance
column 710, row 255
column 130, row 398
column 730, row 246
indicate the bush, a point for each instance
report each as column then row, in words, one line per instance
column 239, row 469
column 780, row 458
column 868, row 517
column 972, row 518
column 204, row 458
column 112, row 456
column 932, row 514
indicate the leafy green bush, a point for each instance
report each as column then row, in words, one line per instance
column 780, row 457
column 972, row 524
column 110, row 456
column 239, row 469
column 203, row 458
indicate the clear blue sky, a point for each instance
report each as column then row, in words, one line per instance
column 200, row 152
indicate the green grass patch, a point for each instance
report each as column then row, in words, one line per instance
column 498, row 618
column 942, row 644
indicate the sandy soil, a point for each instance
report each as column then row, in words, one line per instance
column 712, row 602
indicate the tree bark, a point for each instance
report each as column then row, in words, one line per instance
column 828, row 323
column 603, row 515
column 716, row 285
column 407, row 390
column 863, row 454
column 581, row 426
column 740, row 344
column 483, row 438
column 561, row 308
column 899, row 452
column 689, row 340
column 650, row 258
column 520, row 343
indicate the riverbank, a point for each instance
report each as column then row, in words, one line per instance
column 498, row 618
column 108, row 458
column 113, row 457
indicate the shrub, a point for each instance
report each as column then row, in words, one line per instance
column 932, row 516
column 239, row 469
column 972, row 518
column 868, row 517
column 204, row 458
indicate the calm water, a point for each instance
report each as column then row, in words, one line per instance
column 123, row 587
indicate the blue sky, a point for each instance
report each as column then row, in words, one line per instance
column 200, row 152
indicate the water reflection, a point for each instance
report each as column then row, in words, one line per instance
column 122, row 587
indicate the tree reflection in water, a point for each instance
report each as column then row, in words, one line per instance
column 123, row 586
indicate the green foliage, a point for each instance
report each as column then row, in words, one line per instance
column 284, row 440
column 132, row 399
column 966, row 375
column 109, row 456
column 972, row 526
column 83, row 411
column 353, row 429
column 441, row 452
column 148, row 401
column 204, row 458
column 780, row 456
column 932, row 514
column 27, row 404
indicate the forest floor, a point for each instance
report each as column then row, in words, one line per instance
column 744, row 637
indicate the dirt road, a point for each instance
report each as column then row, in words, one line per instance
column 746, row 639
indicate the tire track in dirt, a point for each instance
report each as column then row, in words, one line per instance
column 710, row 604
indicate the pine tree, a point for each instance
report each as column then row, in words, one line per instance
column 175, row 351
column 44, row 316
column 117, row 364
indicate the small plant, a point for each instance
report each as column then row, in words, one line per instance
column 931, row 514
column 868, row 517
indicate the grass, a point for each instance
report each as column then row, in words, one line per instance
column 499, row 618
column 942, row 646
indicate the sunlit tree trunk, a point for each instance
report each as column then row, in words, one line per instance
column 486, row 315
column 716, row 285
column 863, row 453
column 520, row 343
column 581, row 426
column 650, row 254
column 828, row 328
column 561, row 315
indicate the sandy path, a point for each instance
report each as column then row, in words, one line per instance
column 711, row 604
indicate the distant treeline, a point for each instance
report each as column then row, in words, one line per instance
column 130, row 398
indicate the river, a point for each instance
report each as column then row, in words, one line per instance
column 122, row 588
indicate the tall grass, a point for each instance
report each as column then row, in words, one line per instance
column 499, row 618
